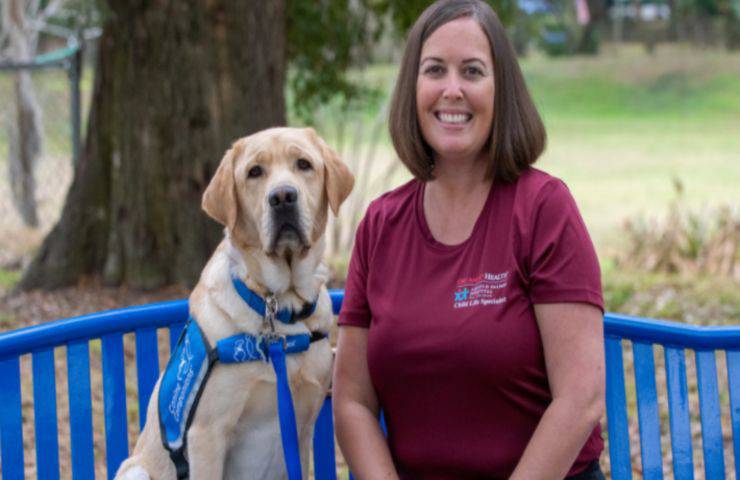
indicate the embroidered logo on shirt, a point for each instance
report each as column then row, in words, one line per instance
column 485, row 289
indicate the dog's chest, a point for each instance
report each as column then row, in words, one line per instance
column 255, row 446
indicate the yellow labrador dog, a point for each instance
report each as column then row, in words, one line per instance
column 271, row 192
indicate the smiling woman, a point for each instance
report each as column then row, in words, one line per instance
column 473, row 309
column 455, row 124
column 516, row 137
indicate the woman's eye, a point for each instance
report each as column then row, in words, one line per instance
column 434, row 70
column 254, row 172
column 303, row 164
column 473, row 71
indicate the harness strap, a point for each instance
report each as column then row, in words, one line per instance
column 182, row 467
column 257, row 304
column 187, row 373
column 286, row 412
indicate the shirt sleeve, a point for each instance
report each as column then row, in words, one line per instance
column 355, row 308
column 563, row 262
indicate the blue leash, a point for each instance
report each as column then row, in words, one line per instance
column 286, row 411
column 277, row 348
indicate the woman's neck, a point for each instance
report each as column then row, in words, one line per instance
column 459, row 178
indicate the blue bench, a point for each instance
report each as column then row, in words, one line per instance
column 621, row 332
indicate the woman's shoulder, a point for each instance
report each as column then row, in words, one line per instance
column 535, row 180
column 394, row 202
column 534, row 186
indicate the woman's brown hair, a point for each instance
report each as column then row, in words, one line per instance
column 517, row 134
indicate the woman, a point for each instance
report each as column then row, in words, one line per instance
column 473, row 307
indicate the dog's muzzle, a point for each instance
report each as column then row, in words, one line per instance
column 286, row 227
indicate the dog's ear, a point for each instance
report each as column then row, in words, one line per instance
column 338, row 180
column 219, row 199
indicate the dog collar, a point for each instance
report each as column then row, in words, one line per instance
column 259, row 305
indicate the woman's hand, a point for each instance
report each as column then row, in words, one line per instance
column 355, row 406
column 573, row 341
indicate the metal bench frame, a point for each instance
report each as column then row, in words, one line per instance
column 110, row 327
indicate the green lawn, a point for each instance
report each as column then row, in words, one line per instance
column 622, row 128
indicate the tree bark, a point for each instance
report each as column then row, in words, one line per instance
column 25, row 129
column 588, row 42
column 177, row 81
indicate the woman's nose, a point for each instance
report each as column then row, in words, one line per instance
column 452, row 87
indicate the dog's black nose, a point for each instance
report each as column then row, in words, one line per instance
column 283, row 196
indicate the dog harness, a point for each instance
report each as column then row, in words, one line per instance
column 191, row 363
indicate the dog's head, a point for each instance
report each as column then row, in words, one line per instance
column 273, row 188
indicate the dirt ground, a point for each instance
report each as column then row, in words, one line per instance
column 38, row 306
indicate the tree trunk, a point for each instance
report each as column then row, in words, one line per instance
column 25, row 127
column 177, row 81
column 732, row 30
column 589, row 41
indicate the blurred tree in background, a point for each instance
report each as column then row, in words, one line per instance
column 176, row 81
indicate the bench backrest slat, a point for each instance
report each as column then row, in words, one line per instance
column 733, row 380
column 114, row 399
column 678, row 410
column 11, row 421
column 110, row 327
column 647, row 411
column 45, row 414
column 616, row 411
column 175, row 332
column 80, row 410
column 147, row 368
column 711, row 424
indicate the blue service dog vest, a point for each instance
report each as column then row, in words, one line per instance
column 187, row 372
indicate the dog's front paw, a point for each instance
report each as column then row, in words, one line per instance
column 134, row 473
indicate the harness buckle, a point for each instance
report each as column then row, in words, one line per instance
column 271, row 308
column 274, row 337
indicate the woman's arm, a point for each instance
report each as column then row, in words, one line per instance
column 573, row 341
column 356, row 409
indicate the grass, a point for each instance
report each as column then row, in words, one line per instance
column 8, row 278
column 695, row 299
column 622, row 127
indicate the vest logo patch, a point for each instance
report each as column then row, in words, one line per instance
column 482, row 290
column 184, row 379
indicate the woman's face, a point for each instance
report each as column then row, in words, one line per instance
column 455, row 88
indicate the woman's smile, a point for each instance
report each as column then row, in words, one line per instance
column 455, row 89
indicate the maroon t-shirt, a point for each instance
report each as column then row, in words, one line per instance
column 454, row 352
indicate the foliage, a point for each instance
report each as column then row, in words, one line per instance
column 696, row 299
column 555, row 38
column 326, row 38
column 403, row 13
column 685, row 242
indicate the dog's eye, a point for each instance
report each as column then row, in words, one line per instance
column 254, row 172
column 303, row 164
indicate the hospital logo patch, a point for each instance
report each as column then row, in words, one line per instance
column 484, row 289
